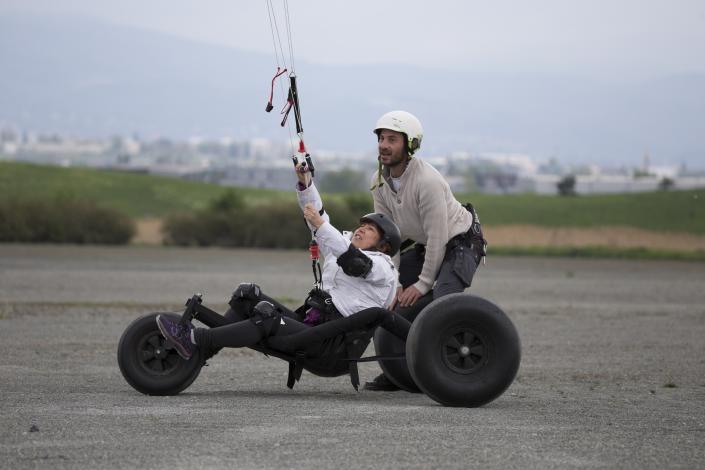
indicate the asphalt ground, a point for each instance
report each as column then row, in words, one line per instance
column 612, row 373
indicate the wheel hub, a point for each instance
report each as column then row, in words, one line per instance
column 156, row 356
column 464, row 350
column 161, row 353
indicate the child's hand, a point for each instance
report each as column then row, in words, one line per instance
column 303, row 174
column 312, row 216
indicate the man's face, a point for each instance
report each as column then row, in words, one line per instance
column 366, row 236
column 391, row 147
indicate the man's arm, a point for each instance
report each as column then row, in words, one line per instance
column 434, row 219
column 433, row 213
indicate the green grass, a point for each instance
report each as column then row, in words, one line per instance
column 141, row 195
column 599, row 252
column 662, row 211
column 138, row 195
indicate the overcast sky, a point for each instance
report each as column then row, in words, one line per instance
column 595, row 37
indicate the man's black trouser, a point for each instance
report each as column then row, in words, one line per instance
column 457, row 271
column 292, row 335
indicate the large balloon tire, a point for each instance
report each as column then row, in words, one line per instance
column 463, row 351
column 150, row 364
column 396, row 370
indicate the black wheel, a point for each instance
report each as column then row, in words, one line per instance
column 463, row 351
column 151, row 365
column 396, row 370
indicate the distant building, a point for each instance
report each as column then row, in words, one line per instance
column 263, row 163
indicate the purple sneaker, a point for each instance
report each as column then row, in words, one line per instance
column 178, row 334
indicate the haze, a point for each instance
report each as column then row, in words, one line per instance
column 587, row 80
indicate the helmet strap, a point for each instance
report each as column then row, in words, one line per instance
column 379, row 172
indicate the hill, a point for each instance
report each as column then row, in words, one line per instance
column 138, row 195
column 141, row 195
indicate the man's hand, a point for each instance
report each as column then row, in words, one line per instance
column 312, row 216
column 303, row 174
column 407, row 297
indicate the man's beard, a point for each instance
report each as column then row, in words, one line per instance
column 393, row 160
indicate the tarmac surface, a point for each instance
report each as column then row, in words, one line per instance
column 612, row 373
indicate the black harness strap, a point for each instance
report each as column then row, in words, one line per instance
column 343, row 339
column 475, row 235
column 352, row 367
column 296, row 368
column 406, row 244
column 391, row 357
column 291, row 380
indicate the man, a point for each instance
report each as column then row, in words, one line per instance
column 358, row 276
column 447, row 236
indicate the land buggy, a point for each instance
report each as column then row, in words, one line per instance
column 461, row 350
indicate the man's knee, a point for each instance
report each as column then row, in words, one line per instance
column 456, row 274
column 450, row 284
column 446, row 288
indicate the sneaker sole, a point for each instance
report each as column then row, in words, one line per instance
column 179, row 349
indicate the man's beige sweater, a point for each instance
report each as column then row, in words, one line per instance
column 425, row 210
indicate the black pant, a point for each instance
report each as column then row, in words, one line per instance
column 457, row 269
column 309, row 340
column 242, row 331
column 291, row 334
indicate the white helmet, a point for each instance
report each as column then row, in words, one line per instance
column 407, row 124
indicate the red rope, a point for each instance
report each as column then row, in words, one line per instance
column 270, row 106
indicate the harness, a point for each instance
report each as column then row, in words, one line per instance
column 335, row 347
column 316, row 310
column 322, row 301
column 473, row 238
column 335, row 357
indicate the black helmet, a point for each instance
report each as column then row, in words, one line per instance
column 390, row 231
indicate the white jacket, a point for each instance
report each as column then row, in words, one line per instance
column 350, row 294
